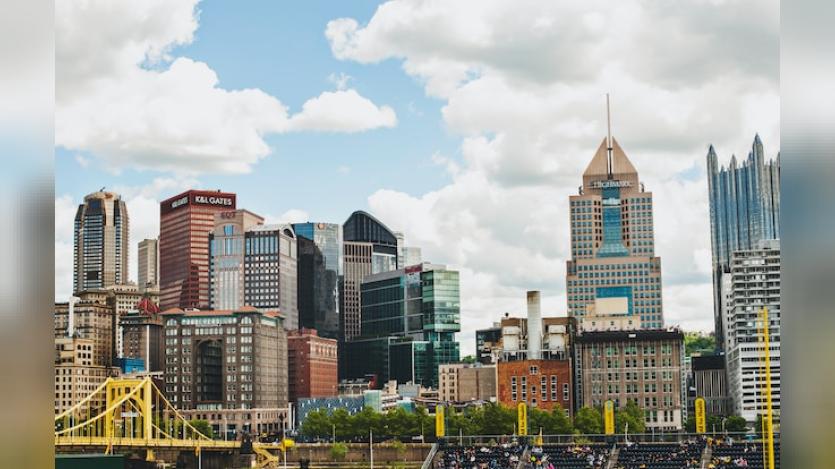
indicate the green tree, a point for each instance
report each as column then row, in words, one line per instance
column 458, row 422
column 317, row 424
column 538, row 420
column 400, row 422
column 698, row 342
column 343, row 423
column 424, row 423
column 497, row 419
column 560, row 423
column 588, row 421
column 631, row 414
column 201, row 426
column 469, row 359
column 735, row 424
column 338, row 451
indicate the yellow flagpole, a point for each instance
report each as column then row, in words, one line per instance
column 769, row 410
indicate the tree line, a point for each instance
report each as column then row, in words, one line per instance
column 489, row 419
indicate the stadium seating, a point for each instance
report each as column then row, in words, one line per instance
column 493, row 457
column 573, row 456
column 685, row 455
column 742, row 454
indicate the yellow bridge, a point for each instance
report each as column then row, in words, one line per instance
column 133, row 414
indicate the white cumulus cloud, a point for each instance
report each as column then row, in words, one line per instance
column 342, row 111
column 124, row 97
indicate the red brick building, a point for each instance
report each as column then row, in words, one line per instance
column 311, row 365
column 539, row 383
column 184, row 225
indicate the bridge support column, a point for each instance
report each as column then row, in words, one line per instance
column 149, row 455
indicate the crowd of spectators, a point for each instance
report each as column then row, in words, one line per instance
column 729, row 454
column 684, row 455
column 569, row 457
column 503, row 456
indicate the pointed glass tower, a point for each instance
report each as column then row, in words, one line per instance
column 744, row 209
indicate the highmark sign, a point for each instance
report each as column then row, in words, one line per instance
column 610, row 183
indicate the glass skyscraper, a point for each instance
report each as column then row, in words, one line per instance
column 744, row 209
column 320, row 268
column 409, row 320
column 100, row 242
column 613, row 267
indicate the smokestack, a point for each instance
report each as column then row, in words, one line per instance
column 534, row 326
column 71, row 316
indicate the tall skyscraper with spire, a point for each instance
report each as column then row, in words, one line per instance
column 744, row 210
column 613, row 268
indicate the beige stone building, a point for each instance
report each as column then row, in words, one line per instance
column 460, row 382
column 94, row 320
column 147, row 275
column 76, row 376
column 644, row 366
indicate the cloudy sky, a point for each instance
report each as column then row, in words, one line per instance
column 465, row 124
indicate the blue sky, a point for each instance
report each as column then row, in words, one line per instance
column 284, row 52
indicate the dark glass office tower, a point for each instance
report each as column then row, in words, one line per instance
column 744, row 209
column 319, row 271
column 369, row 248
column 409, row 320
column 100, row 242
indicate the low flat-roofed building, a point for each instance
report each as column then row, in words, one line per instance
column 461, row 382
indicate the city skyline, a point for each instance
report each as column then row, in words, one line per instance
column 449, row 148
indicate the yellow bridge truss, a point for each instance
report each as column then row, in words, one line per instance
column 133, row 413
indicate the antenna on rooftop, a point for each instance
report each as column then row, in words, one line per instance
column 608, row 138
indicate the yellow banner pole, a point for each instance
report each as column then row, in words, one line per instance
column 440, row 430
column 768, row 404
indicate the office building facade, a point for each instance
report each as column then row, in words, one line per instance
column 643, row 366
column 744, row 209
column 225, row 359
column 185, row 223
column 100, row 242
column 369, row 248
column 409, row 320
column 147, row 275
column 253, row 264
column 142, row 335
column 752, row 284
column 123, row 299
column 320, row 265
column 613, row 267
column 311, row 365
